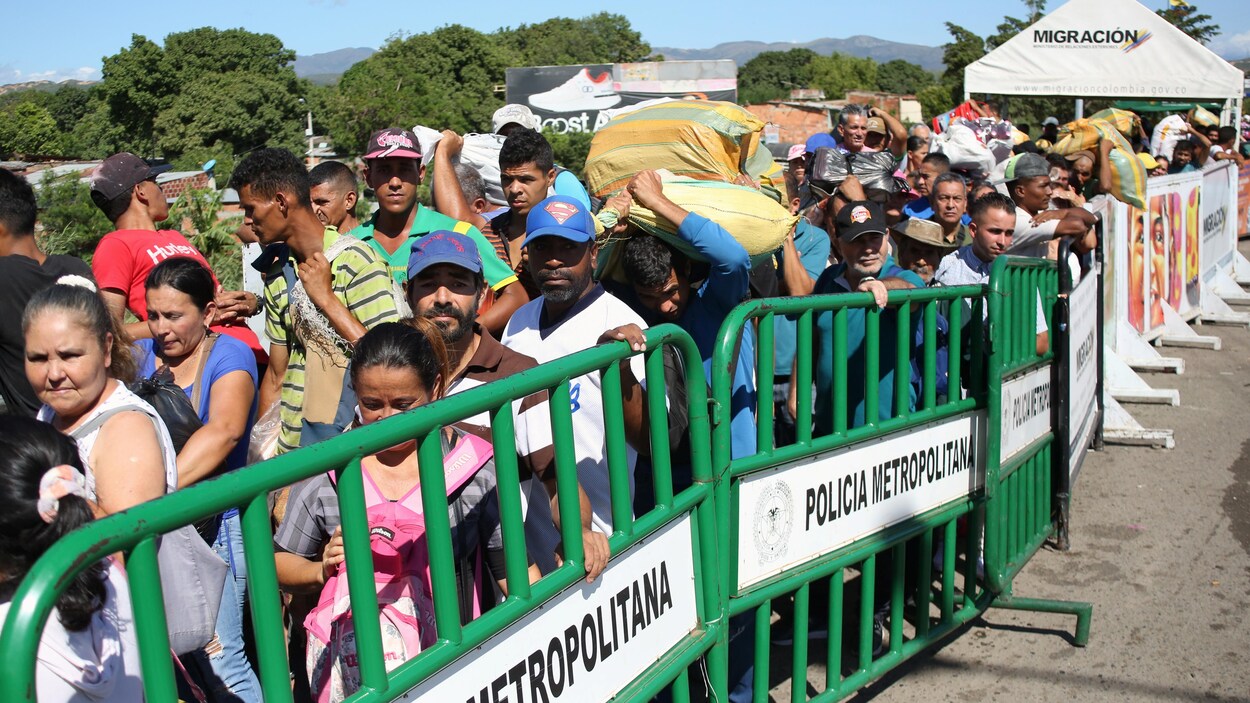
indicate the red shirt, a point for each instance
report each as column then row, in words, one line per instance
column 124, row 258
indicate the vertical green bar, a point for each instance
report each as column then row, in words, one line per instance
column 759, row 684
column 764, row 378
column 566, row 471
column 977, row 343
column 266, row 601
column 872, row 364
column 924, row 587
column 902, row 360
column 508, row 486
column 837, row 394
column 954, row 350
column 657, row 418
column 680, row 690
column 930, row 356
column 973, row 551
column 358, row 558
column 950, row 549
column 798, row 662
column 837, row 604
column 867, row 604
column 151, row 628
column 618, row 465
column 802, row 375
column 898, row 595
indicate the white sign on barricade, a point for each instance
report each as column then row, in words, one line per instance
column 1219, row 219
column 794, row 513
column 589, row 642
column 1026, row 404
column 1082, row 369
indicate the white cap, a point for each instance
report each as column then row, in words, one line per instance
column 514, row 114
column 1050, row 120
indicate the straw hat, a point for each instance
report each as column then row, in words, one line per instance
column 926, row 232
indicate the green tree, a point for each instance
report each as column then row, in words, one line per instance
column 444, row 79
column 1011, row 26
column 771, row 75
column 27, row 129
column 838, row 73
column 601, row 38
column 197, row 214
column 903, row 77
column 68, row 105
column 964, row 48
column 570, row 149
column 239, row 110
column 1189, row 20
column 137, row 84
column 71, row 223
column 935, row 99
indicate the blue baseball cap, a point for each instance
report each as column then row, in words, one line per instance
column 559, row 216
column 443, row 247
column 816, row 141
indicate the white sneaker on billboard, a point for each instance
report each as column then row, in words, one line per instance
column 581, row 92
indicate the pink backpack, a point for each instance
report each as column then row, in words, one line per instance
column 401, row 575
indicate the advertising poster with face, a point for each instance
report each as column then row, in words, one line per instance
column 1137, row 269
column 1176, row 252
column 1156, row 269
column 1193, row 294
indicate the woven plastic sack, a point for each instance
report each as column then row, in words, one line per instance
column 1167, row 133
column 700, row 139
column 481, row 151
column 1126, row 123
column 1083, row 135
column 759, row 223
column 1128, row 178
column 1204, row 117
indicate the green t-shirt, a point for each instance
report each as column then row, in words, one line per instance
column 497, row 273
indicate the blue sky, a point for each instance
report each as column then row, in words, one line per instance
column 62, row 40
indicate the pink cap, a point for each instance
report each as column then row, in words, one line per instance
column 796, row 152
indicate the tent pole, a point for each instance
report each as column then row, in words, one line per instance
column 1080, row 108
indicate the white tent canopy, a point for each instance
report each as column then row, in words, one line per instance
column 1105, row 48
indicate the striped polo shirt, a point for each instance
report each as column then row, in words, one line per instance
column 361, row 282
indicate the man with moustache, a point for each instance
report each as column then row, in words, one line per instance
column 860, row 232
column 445, row 285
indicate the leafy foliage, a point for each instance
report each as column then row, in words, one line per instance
column 1189, row 20
column 837, row 73
column 964, row 48
column 72, row 224
column 197, row 213
column 903, row 77
column 771, row 75
column 601, row 38
column 28, row 129
column 570, row 149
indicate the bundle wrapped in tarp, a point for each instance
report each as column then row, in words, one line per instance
column 759, row 223
column 962, row 145
column 1126, row 123
column 875, row 170
column 700, row 139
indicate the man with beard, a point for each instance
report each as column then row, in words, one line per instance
column 860, row 229
column 445, row 285
column 569, row 316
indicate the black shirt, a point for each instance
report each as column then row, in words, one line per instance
column 20, row 279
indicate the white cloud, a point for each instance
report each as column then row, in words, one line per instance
column 11, row 74
column 1232, row 46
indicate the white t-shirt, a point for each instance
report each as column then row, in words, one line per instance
column 580, row 329
column 98, row 663
column 1029, row 240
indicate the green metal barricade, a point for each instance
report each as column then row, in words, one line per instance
column 666, row 559
column 847, row 530
column 1020, row 512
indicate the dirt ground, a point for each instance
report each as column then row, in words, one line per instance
column 1160, row 546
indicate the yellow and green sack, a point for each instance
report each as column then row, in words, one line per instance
column 1126, row 123
column 700, row 139
column 1128, row 175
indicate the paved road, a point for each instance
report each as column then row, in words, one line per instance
column 1160, row 545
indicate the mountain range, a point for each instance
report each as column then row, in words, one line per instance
column 328, row 66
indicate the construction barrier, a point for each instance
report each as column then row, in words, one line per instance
column 888, row 534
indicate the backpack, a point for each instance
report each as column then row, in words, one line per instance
column 401, row 575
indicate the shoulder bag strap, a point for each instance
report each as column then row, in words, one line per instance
column 209, row 340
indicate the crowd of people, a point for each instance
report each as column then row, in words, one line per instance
column 366, row 320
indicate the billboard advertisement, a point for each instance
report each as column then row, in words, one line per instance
column 579, row 98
